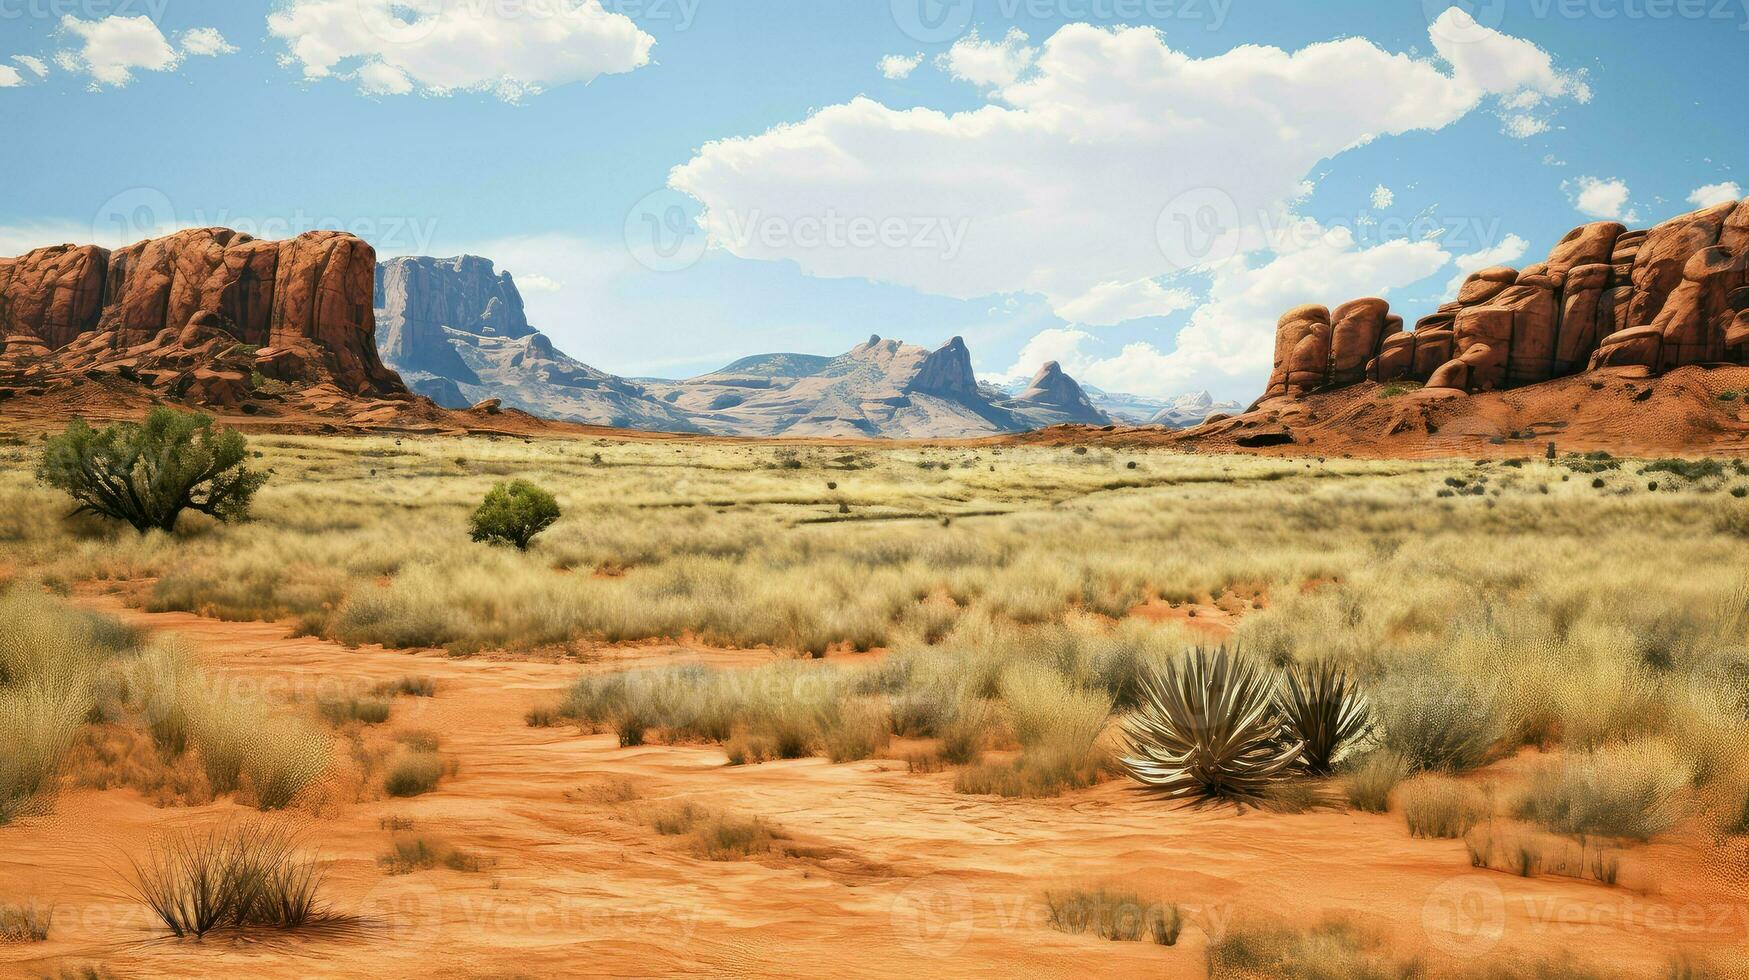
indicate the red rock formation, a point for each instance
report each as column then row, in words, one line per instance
column 198, row 313
column 1662, row 298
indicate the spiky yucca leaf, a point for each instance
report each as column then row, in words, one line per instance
column 1207, row 728
column 1323, row 708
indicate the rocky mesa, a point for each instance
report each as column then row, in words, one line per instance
column 207, row 316
column 1640, row 333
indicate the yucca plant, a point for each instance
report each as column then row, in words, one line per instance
column 1208, row 728
column 1323, row 708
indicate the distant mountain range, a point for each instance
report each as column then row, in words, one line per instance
column 456, row 331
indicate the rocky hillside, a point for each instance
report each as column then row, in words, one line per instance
column 1541, row 350
column 456, row 331
column 209, row 317
column 880, row 389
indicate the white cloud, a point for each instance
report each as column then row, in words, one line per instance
column 1711, row 194
column 36, row 66
column 1509, row 250
column 988, row 63
column 1599, row 198
column 1065, row 345
column 1520, row 74
column 1382, row 198
column 9, row 77
column 206, row 42
column 538, row 283
column 115, row 47
column 1522, row 125
column 1061, row 182
column 394, row 47
column 897, row 66
column 1110, row 303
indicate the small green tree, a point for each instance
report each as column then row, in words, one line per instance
column 147, row 474
column 515, row 512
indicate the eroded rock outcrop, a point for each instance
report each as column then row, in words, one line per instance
column 203, row 315
column 1054, row 394
column 1661, row 298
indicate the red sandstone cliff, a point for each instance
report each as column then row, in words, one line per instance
column 207, row 316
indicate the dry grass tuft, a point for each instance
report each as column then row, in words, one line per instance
column 1114, row 915
column 247, row 874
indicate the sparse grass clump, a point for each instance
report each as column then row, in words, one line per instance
column 1114, row 915
column 410, row 686
column 418, row 853
column 247, row 874
column 1368, row 786
column 27, row 923
column 412, row 772
column 365, row 711
column 1440, row 808
column 716, row 835
column 1625, row 791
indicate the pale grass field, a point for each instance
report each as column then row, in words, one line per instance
column 1486, row 606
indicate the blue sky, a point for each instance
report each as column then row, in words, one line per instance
column 1021, row 205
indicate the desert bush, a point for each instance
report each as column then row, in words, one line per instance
column 1324, row 710
column 27, row 923
column 340, row 710
column 147, row 474
column 1630, row 790
column 857, row 731
column 1369, row 784
column 412, row 772
column 514, row 512
column 410, row 685
column 280, row 759
column 1446, row 724
column 1333, row 948
column 1113, row 915
column 246, row 874
column 1207, row 728
column 716, row 835
column 1440, row 808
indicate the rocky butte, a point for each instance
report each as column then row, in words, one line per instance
column 1633, row 341
column 208, row 316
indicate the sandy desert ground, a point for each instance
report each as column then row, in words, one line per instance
column 552, row 860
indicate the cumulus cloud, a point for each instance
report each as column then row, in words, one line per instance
column 113, row 48
column 1711, row 194
column 1382, row 198
column 1598, row 197
column 206, row 42
column 36, row 66
column 988, row 63
column 1509, row 250
column 897, row 66
column 538, row 283
column 9, row 77
column 1092, row 167
column 396, row 47
column 1110, row 303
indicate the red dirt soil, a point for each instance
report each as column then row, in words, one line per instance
column 891, row 872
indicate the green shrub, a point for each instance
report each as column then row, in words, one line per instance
column 147, row 474
column 514, row 512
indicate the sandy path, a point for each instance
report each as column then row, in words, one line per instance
column 898, row 873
